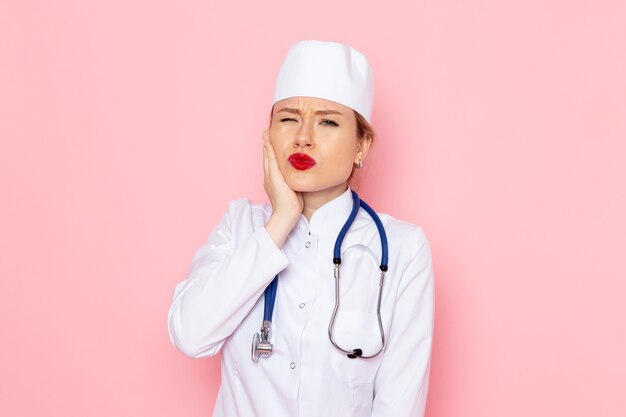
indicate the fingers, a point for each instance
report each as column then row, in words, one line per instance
column 265, row 139
column 284, row 200
column 271, row 156
column 272, row 169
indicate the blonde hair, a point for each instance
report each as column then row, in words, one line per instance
column 364, row 131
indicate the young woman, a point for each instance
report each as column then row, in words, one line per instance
column 339, row 309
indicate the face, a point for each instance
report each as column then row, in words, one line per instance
column 315, row 142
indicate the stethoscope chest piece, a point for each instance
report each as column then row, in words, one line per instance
column 261, row 346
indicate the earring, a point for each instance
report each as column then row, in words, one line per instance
column 359, row 164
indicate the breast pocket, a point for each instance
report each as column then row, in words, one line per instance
column 356, row 324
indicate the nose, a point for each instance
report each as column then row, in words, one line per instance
column 304, row 136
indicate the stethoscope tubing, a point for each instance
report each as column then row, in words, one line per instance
column 262, row 339
column 270, row 298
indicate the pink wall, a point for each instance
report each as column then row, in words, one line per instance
column 125, row 128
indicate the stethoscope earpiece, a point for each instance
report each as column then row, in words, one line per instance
column 356, row 353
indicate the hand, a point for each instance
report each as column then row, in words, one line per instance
column 286, row 203
column 284, row 200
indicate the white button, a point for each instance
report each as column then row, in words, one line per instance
column 292, row 365
column 301, row 305
column 307, row 245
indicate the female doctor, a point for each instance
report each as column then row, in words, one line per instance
column 306, row 329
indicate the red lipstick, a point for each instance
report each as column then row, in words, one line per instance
column 301, row 161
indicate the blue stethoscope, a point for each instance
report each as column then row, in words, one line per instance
column 261, row 346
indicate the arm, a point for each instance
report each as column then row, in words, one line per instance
column 223, row 284
column 401, row 384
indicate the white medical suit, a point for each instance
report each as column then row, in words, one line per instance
column 220, row 306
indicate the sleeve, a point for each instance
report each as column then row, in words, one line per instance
column 401, row 384
column 224, row 282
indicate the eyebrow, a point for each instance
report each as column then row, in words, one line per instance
column 317, row 113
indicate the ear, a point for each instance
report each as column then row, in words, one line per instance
column 363, row 147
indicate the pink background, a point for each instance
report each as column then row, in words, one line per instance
column 127, row 126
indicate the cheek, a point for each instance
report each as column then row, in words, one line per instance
column 343, row 155
column 280, row 135
column 278, row 139
column 282, row 151
column 341, row 160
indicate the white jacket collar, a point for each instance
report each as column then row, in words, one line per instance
column 330, row 217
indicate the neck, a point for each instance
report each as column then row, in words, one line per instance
column 316, row 199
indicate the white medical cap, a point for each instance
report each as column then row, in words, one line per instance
column 327, row 70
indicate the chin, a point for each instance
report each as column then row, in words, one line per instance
column 310, row 181
column 302, row 186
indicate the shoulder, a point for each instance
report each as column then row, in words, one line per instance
column 411, row 249
column 243, row 212
column 244, row 205
column 409, row 239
